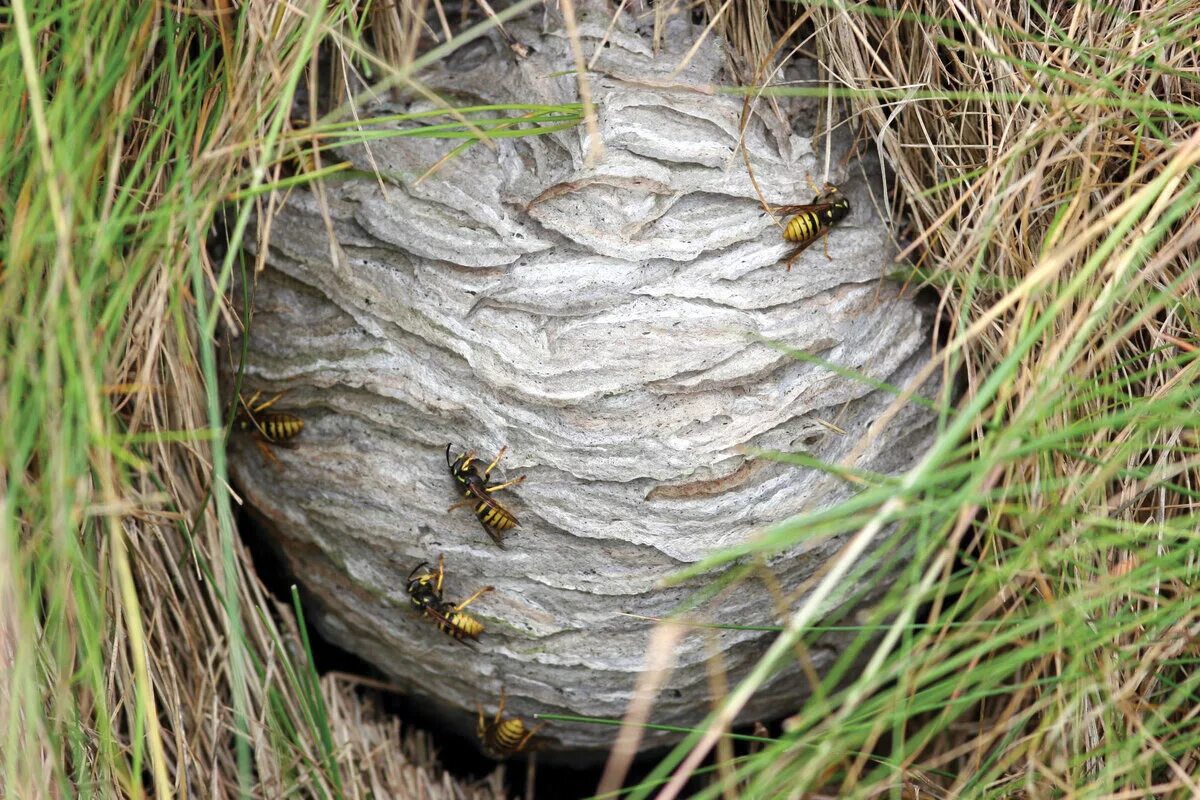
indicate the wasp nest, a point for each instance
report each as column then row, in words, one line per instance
column 615, row 323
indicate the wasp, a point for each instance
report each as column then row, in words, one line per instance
column 494, row 517
column 814, row 220
column 503, row 737
column 425, row 594
column 268, row 427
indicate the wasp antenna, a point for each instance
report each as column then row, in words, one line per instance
column 417, row 567
column 448, row 446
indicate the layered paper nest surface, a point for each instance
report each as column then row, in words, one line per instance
column 612, row 324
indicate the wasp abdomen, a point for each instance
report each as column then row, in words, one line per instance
column 505, row 738
column 809, row 224
column 802, row 227
column 279, row 427
column 495, row 516
column 461, row 626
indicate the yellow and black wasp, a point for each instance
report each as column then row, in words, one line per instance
column 425, row 594
column 477, row 492
column 504, row 737
column 813, row 220
column 267, row 427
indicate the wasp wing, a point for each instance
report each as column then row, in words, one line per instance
column 442, row 619
column 800, row 209
column 485, row 498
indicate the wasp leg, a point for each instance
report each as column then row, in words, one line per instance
column 500, row 709
column 252, row 405
column 265, row 449
column 826, row 187
column 461, row 503
column 441, row 572
column 505, row 485
column 249, row 404
column 467, row 458
column 796, row 254
column 473, row 598
column 492, row 465
column 268, row 404
column 521, row 745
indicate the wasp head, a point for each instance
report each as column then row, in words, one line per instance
column 462, row 468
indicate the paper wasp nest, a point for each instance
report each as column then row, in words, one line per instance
column 609, row 323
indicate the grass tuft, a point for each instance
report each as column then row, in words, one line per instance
column 1040, row 638
column 139, row 655
column 1043, row 164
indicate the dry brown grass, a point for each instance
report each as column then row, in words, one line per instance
column 188, row 635
column 381, row 758
column 136, row 641
column 1042, row 176
column 1014, row 157
column 1017, row 144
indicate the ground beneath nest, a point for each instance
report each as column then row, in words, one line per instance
column 458, row 755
